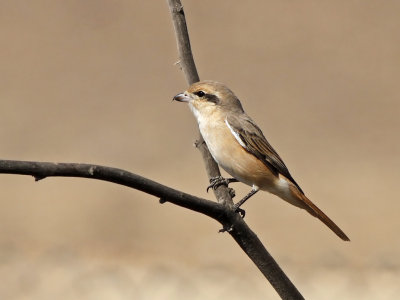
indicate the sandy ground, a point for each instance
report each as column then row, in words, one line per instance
column 92, row 81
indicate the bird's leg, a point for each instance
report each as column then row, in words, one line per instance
column 219, row 180
column 237, row 208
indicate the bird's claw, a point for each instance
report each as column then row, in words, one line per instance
column 240, row 211
column 232, row 192
column 216, row 182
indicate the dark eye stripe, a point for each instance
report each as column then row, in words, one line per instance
column 208, row 97
column 211, row 98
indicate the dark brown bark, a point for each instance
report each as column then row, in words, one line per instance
column 230, row 220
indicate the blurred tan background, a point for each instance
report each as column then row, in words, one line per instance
column 92, row 81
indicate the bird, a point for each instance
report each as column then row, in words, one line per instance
column 239, row 147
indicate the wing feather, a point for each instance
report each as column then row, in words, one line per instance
column 251, row 138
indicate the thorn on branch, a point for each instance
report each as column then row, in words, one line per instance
column 91, row 170
column 162, row 200
column 198, row 143
column 178, row 63
column 226, row 229
column 179, row 9
column 37, row 177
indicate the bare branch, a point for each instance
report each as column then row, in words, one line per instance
column 41, row 170
column 230, row 220
column 239, row 230
column 221, row 211
column 188, row 66
column 186, row 60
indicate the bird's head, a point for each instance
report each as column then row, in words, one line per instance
column 209, row 97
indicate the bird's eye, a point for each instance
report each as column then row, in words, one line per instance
column 200, row 93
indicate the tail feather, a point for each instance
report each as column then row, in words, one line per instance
column 298, row 199
column 316, row 212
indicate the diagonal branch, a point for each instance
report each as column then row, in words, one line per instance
column 238, row 229
column 230, row 220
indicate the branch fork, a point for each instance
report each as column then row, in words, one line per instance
column 221, row 211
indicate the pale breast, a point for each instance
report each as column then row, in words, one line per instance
column 233, row 158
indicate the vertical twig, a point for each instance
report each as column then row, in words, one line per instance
column 242, row 234
column 186, row 60
column 188, row 66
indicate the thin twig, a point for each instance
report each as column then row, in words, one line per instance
column 186, row 60
column 188, row 66
column 242, row 234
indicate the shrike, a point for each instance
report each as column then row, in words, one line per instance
column 238, row 146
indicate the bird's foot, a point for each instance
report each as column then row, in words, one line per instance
column 240, row 211
column 232, row 192
column 219, row 180
column 216, row 182
column 237, row 206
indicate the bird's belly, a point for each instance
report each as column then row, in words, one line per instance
column 235, row 160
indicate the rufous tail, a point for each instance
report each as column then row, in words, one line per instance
column 316, row 212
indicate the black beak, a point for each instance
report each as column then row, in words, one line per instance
column 182, row 98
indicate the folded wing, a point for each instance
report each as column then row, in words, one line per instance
column 251, row 138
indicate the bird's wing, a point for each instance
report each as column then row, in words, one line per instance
column 251, row 138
